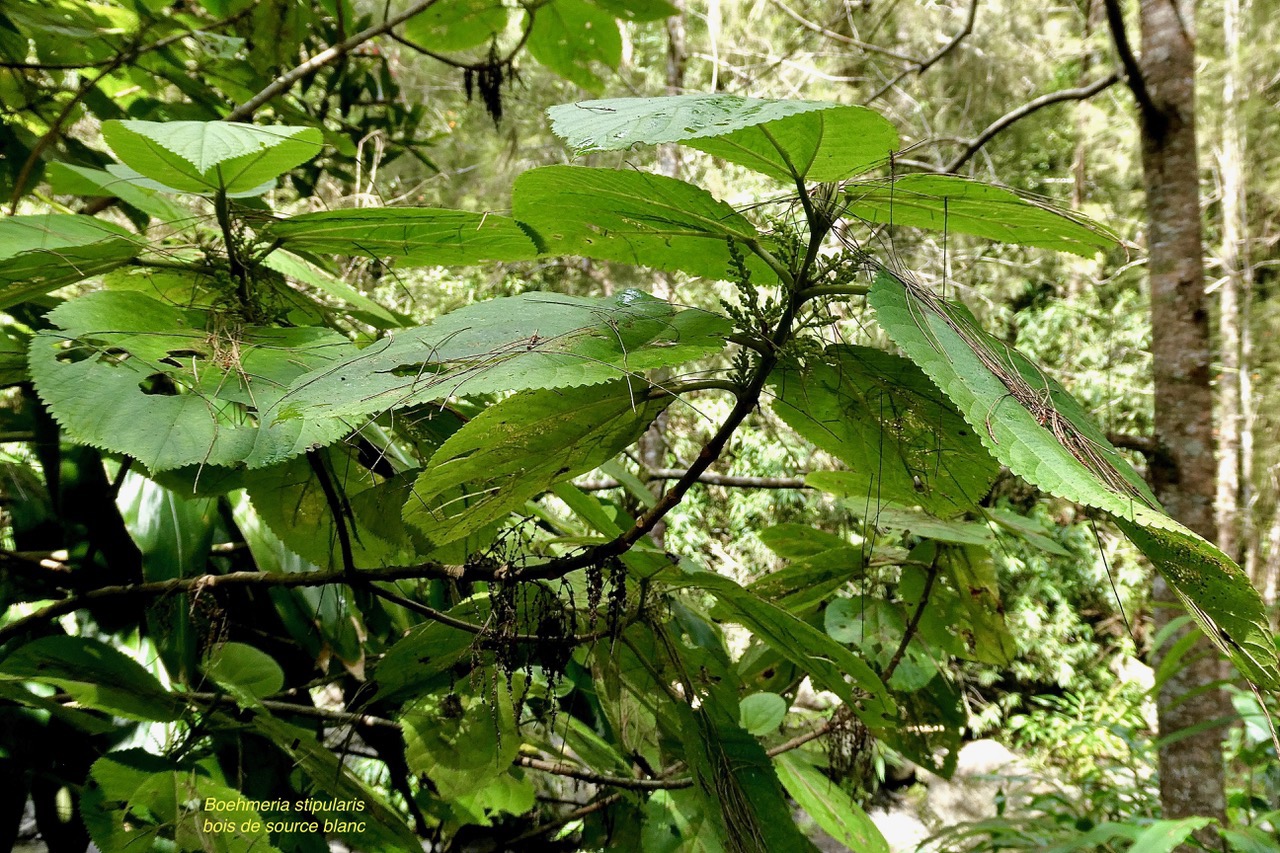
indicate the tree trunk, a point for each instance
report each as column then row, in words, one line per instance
column 1184, row 473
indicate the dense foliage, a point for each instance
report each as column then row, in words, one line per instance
column 402, row 578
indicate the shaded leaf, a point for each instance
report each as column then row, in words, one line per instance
column 518, row 448
column 457, row 24
column 414, row 236
column 45, row 251
column 571, row 38
column 244, row 670
column 634, row 218
column 95, row 674
column 881, row 416
column 962, row 206
column 761, row 713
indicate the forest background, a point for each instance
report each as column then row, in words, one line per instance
column 446, row 108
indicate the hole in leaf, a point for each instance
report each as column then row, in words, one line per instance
column 160, row 384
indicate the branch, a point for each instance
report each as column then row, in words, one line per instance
column 157, row 589
column 841, row 37
column 727, row 480
column 285, row 81
column 937, row 56
column 1143, row 444
column 1005, row 121
column 914, row 623
column 1132, row 69
column 570, row 771
column 479, row 65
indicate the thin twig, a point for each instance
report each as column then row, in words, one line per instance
column 1005, row 121
column 707, row 478
column 913, row 624
column 936, row 57
column 285, row 81
column 559, row 768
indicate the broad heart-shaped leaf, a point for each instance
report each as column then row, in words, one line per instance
column 95, row 674
column 961, row 206
column 246, row 671
column 635, row 218
column 44, row 251
column 880, row 415
column 534, row 340
column 414, row 236
column 80, row 180
column 830, row 806
column 461, row 753
column 826, row 661
column 570, row 37
column 1032, row 425
column 185, row 387
column 787, row 140
column 520, row 447
column 457, row 24
column 207, row 156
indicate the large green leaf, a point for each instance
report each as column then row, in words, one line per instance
column 961, row 206
column 185, row 386
column 1032, row 425
column 787, row 140
column 415, row 236
column 830, row 806
column 291, row 499
column 457, row 24
column 94, row 674
column 81, row 180
column 520, row 447
column 534, row 340
column 463, row 751
column 208, row 156
column 984, row 631
column 826, row 661
column 881, row 416
column 572, row 37
column 44, row 251
column 635, row 218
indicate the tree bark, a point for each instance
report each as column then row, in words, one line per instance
column 1184, row 474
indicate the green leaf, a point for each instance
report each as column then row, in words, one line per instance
column 291, row 500
column 534, row 340
column 80, row 180
column 961, row 206
column 462, row 752
column 207, row 156
column 737, row 782
column 42, row 252
column 423, row 661
column 881, row 416
column 95, row 674
column 415, row 236
column 823, row 658
column 1164, row 835
column 570, row 37
column 984, row 632
column 785, row 139
column 517, row 449
column 634, row 218
column 302, row 270
column 639, row 11
column 793, row 541
column 830, row 806
column 1032, row 425
column 807, row 582
column 186, row 388
column 244, row 670
column 457, row 24
column 762, row 713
